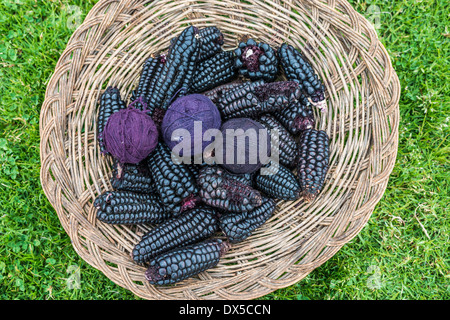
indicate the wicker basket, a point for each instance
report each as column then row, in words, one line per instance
column 110, row 47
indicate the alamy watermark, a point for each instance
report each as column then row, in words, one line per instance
column 74, row 14
column 373, row 15
column 238, row 146
column 74, row 279
column 374, row 281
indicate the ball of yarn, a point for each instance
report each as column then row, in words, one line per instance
column 130, row 135
column 189, row 112
column 243, row 138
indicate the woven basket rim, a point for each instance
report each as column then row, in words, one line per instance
column 67, row 183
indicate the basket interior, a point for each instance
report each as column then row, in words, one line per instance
column 109, row 49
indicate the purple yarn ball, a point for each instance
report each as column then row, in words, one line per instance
column 183, row 113
column 249, row 150
column 130, row 135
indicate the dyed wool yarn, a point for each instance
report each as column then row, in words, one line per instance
column 243, row 146
column 194, row 114
column 130, row 135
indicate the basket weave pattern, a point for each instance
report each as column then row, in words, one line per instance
column 362, row 121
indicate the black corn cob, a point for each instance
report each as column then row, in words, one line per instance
column 237, row 98
column 278, row 182
column 195, row 169
column 256, row 61
column 149, row 69
column 285, row 145
column 211, row 42
column 174, row 182
column 126, row 207
column 297, row 68
column 110, row 102
column 216, row 93
column 239, row 226
column 225, row 193
column 150, row 73
column 297, row 117
column 132, row 177
column 215, row 71
column 178, row 70
column 245, row 178
column 313, row 162
column 254, row 98
column 192, row 226
column 184, row 262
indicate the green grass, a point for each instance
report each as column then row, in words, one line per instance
column 402, row 252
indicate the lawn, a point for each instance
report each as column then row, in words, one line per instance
column 402, row 252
